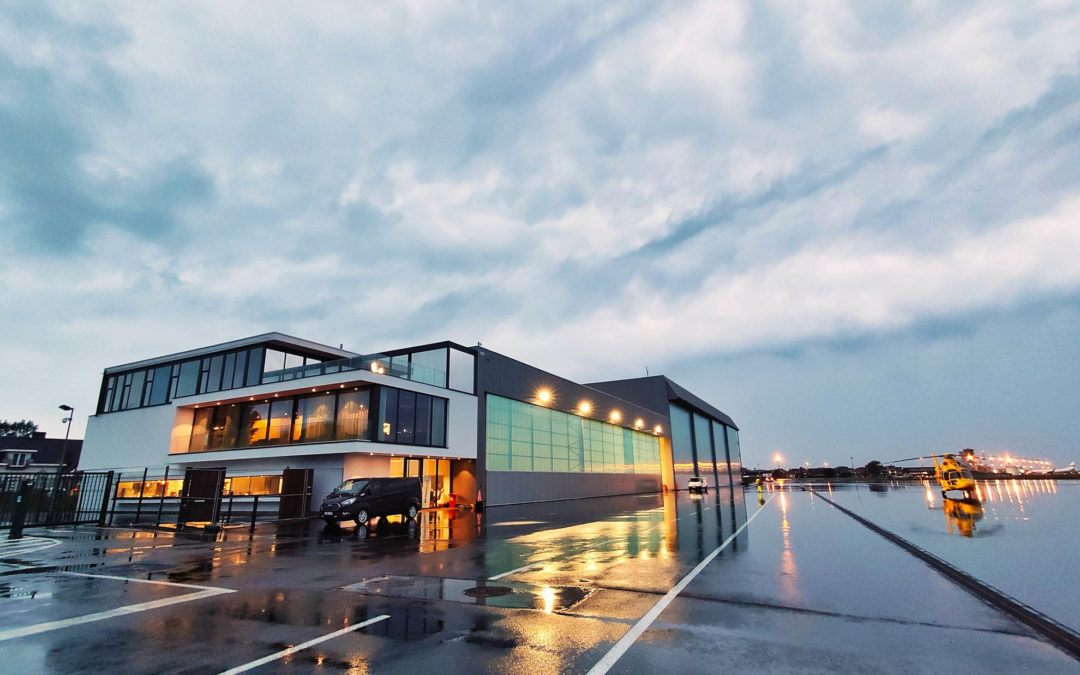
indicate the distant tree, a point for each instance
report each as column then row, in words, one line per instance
column 779, row 473
column 874, row 468
column 20, row 429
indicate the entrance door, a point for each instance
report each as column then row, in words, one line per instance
column 200, row 499
column 295, row 492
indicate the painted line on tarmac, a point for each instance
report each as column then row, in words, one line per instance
column 631, row 636
column 150, row 581
column 303, row 645
column 1056, row 633
column 24, row 631
column 17, row 547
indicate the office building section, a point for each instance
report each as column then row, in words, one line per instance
column 462, row 419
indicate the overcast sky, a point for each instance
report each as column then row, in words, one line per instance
column 854, row 227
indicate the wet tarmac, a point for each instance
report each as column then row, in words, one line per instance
column 538, row 589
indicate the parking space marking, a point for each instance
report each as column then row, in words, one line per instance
column 16, row 547
column 304, row 645
column 201, row 592
column 631, row 636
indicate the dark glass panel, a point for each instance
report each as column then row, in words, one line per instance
column 254, row 366
column 133, row 397
column 388, row 422
column 280, row 422
column 241, row 367
column 227, row 370
column 254, row 421
column 438, row 422
column 106, row 402
column 227, row 427
column 406, row 416
column 352, row 414
column 214, row 379
column 703, row 446
column 315, row 414
column 682, row 444
column 159, row 393
column 200, row 430
column 189, row 378
column 422, row 431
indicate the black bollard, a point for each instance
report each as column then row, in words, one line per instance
column 18, row 519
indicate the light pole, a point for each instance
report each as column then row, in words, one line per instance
column 778, row 458
column 63, row 453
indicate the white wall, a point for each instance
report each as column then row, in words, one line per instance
column 133, row 438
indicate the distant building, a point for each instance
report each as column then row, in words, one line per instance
column 462, row 419
column 38, row 454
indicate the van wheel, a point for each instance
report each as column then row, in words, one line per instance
column 362, row 516
column 411, row 513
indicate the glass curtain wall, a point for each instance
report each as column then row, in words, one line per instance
column 321, row 418
column 682, row 441
column 525, row 437
column 706, row 457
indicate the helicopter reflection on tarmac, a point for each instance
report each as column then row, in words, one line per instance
column 962, row 514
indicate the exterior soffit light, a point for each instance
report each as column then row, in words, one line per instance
column 544, row 395
column 616, row 415
column 585, row 407
column 658, row 429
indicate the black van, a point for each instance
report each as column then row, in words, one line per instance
column 362, row 499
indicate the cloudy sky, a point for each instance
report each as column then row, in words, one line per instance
column 853, row 226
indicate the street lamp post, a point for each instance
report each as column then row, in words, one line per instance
column 63, row 453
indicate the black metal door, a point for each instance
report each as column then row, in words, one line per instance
column 200, row 500
column 295, row 492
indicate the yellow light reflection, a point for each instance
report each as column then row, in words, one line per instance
column 547, row 593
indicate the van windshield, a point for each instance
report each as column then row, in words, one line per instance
column 351, row 486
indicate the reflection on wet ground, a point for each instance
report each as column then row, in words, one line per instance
column 542, row 588
column 1016, row 535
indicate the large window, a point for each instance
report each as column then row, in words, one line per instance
column 706, row 460
column 411, row 418
column 682, row 444
column 407, row 417
column 211, row 373
column 525, row 437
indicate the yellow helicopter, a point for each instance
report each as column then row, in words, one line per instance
column 953, row 474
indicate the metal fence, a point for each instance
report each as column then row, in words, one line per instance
column 54, row 498
column 107, row 498
column 153, row 497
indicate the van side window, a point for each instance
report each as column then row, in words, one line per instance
column 374, row 488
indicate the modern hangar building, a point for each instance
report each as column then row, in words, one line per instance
column 462, row 419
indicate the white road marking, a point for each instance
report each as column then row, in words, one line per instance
column 620, row 647
column 17, row 547
column 12, row 633
column 304, row 645
column 150, row 581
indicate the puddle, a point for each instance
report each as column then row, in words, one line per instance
column 470, row 591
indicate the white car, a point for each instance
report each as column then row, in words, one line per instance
column 697, row 484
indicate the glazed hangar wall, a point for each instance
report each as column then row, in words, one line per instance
column 501, row 376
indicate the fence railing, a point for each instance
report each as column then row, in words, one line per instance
column 162, row 510
column 36, row 499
